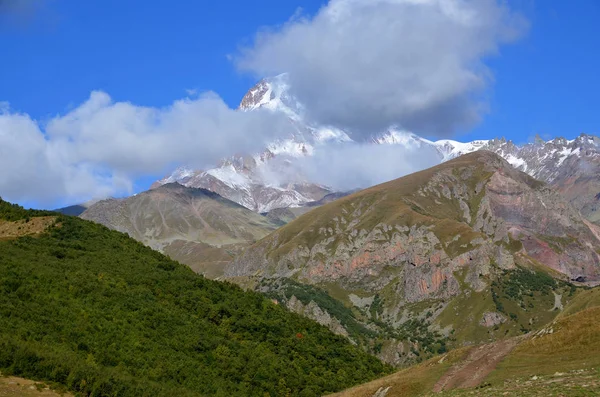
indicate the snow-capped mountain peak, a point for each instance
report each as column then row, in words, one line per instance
column 273, row 94
column 451, row 149
column 250, row 180
column 400, row 137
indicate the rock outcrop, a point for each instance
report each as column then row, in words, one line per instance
column 429, row 239
column 314, row 312
column 491, row 319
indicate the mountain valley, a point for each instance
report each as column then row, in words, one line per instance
column 464, row 274
column 475, row 261
column 472, row 250
column 343, row 198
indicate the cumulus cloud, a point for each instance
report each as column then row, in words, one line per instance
column 364, row 65
column 361, row 165
column 359, row 65
column 351, row 165
column 102, row 146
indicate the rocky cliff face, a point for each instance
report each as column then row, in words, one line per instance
column 468, row 203
column 422, row 243
column 571, row 166
column 195, row 226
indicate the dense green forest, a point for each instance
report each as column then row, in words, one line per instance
column 101, row 314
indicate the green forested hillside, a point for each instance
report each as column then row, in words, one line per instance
column 100, row 313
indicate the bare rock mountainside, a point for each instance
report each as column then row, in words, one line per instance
column 572, row 166
column 465, row 252
column 194, row 226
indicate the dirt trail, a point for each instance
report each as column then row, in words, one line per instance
column 12, row 386
column 479, row 362
column 33, row 226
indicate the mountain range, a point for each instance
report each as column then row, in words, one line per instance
column 490, row 207
column 255, row 180
column 470, row 273
column 488, row 244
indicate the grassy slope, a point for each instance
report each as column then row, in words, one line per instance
column 414, row 381
column 573, row 344
column 382, row 203
column 100, row 313
column 563, row 362
column 584, row 299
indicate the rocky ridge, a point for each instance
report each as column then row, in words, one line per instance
column 414, row 252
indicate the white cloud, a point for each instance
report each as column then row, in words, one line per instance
column 364, row 65
column 351, row 165
column 102, row 146
column 360, row 65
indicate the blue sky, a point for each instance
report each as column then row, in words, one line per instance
column 149, row 53
column 146, row 52
column 548, row 82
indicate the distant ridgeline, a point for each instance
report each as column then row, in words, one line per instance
column 100, row 314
